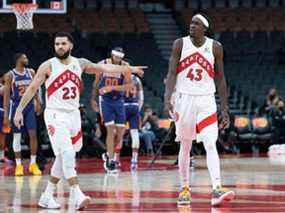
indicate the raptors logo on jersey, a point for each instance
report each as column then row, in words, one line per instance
column 195, row 71
column 63, row 85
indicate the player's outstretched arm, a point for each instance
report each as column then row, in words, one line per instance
column 37, row 81
column 220, row 82
column 92, row 68
column 171, row 75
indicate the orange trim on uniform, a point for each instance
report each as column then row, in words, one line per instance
column 206, row 122
column 77, row 137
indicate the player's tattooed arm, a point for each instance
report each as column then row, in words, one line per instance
column 220, row 82
column 95, row 92
column 92, row 68
column 38, row 80
column 7, row 92
column 170, row 81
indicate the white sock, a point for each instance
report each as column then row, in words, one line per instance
column 184, row 162
column 117, row 156
column 33, row 159
column 18, row 161
column 135, row 156
column 213, row 164
column 1, row 154
column 50, row 189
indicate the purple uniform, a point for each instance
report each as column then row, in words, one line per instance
column 20, row 82
column 112, row 103
column 132, row 103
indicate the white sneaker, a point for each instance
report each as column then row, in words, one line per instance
column 48, row 201
column 82, row 202
column 78, row 200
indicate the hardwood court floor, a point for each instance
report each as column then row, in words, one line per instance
column 259, row 183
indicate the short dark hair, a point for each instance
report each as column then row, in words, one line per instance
column 64, row 34
column 17, row 56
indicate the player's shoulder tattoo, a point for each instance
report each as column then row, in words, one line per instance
column 84, row 62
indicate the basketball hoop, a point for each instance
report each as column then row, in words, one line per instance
column 24, row 14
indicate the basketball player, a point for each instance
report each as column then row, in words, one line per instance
column 2, row 133
column 16, row 82
column 111, row 89
column 195, row 66
column 133, row 103
column 62, row 77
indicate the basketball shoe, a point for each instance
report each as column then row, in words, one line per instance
column 184, row 196
column 134, row 165
column 78, row 200
column 19, row 170
column 48, row 201
column 34, row 169
column 109, row 165
column 221, row 194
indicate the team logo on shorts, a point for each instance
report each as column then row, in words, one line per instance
column 51, row 130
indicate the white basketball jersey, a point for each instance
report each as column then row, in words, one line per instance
column 63, row 85
column 195, row 72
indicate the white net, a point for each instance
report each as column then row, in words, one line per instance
column 24, row 14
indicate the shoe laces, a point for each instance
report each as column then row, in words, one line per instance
column 185, row 191
column 222, row 189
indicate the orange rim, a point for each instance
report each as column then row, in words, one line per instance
column 21, row 7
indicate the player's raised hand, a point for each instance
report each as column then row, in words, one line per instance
column 225, row 121
column 18, row 119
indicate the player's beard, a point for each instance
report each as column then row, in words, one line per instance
column 64, row 56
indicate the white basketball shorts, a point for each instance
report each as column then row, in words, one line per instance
column 195, row 117
column 64, row 129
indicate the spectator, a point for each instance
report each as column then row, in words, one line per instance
column 151, row 130
column 271, row 101
column 279, row 119
column 147, row 134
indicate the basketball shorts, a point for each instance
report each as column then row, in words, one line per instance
column 64, row 129
column 195, row 117
column 30, row 120
column 132, row 115
column 113, row 112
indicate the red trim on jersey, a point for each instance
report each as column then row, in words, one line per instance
column 199, row 59
column 64, row 77
column 206, row 122
column 77, row 137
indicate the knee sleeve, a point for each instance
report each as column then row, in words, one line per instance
column 135, row 139
column 17, row 142
column 68, row 164
column 56, row 169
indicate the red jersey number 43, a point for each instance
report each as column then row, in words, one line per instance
column 195, row 75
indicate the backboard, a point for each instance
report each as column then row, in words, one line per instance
column 44, row 6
